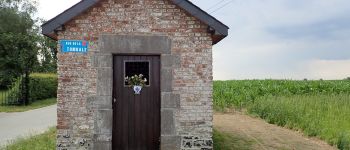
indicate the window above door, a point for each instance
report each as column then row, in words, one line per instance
column 133, row 67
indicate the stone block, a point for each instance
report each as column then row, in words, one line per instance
column 167, row 122
column 102, row 137
column 170, row 142
column 102, row 146
column 104, row 81
column 170, row 61
column 104, row 102
column 135, row 44
column 166, row 80
column 104, row 121
column 104, row 73
column 104, row 87
column 102, row 61
column 170, row 100
column 99, row 102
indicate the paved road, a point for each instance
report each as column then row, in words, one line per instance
column 14, row 125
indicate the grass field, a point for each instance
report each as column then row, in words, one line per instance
column 34, row 105
column 239, row 94
column 324, row 116
column 318, row 108
column 45, row 141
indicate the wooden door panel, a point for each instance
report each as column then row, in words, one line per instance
column 136, row 118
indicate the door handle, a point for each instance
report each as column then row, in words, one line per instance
column 114, row 100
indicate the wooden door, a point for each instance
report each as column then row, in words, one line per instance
column 136, row 118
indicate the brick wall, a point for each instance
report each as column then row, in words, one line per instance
column 191, row 81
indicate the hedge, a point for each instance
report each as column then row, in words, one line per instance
column 42, row 86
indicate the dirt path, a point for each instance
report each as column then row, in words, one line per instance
column 265, row 136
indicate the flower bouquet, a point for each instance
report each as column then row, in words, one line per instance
column 136, row 82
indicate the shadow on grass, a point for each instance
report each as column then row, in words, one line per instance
column 227, row 141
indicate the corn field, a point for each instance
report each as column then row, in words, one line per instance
column 318, row 108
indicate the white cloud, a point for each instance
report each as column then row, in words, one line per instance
column 291, row 39
column 305, row 31
column 328, row 69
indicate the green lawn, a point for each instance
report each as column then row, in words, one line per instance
column 34, row 105
column 45, row 141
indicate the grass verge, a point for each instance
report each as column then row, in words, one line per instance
column 45, row 141
column 34, row 105
column 323, row 116
column 226, row 141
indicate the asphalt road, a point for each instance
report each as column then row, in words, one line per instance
column 22, row 124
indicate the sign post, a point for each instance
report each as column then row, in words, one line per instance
column 76, row 46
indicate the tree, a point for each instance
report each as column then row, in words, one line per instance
column 47, row 55
column 18, row 39
column 17, row 16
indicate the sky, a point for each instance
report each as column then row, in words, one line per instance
column 270, row 39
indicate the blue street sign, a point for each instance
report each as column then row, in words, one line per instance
column 76, row 46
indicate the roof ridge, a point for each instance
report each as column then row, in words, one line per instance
column 221, row 30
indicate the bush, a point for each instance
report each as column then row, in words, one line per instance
column 6, row 79
column 42, row 86
column 12, row 95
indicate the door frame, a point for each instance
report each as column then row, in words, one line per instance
column 102, row 60
column 114, row 95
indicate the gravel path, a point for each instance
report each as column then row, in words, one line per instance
column 266, row 136
column 14, row 125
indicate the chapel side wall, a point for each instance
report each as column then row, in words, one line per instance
column 83, row 105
